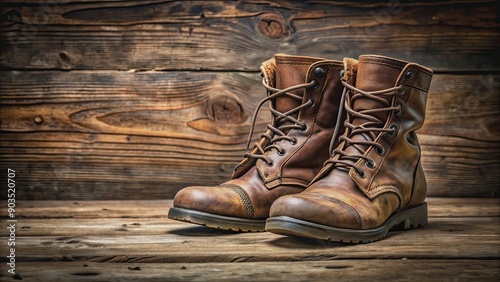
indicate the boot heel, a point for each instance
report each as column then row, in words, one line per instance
column 412, row 218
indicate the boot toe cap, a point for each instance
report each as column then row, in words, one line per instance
column 214, row 200
column 317, row 209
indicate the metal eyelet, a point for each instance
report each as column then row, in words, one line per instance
column 312, row 103
column 401, row 91
column 379, row 150
column 304, row 127
column 399, row 109
column 393, row 132
column 294, row 141
column 361, row 173
column 342, row 72
column 316, row 83
column 319, row 71
column 270, row 164
column 281, row 153
column 370, row 164
column 409, row 75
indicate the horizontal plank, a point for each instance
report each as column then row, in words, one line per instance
column 238, row 35
column 156, row 209
column 103, row 134
column 460, row 241
column 343, row 270
column 442, row 238
column 118, row 218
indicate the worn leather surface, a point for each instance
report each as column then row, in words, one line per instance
column 255, row 185
column 341, row 197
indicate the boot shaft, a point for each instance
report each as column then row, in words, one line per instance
column 395, row 165
column 306, row 149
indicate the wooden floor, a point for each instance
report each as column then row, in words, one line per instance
column 133, row 240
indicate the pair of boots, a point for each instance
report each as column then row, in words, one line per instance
column 340, row 160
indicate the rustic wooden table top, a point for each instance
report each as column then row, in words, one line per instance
column 133, row 240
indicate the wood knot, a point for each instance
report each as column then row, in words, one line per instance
column 273, row 26
column 225, row 110
column 65, row 60
column 38, row 119
column 13, row 16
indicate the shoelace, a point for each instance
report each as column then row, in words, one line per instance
column 367, row 129
column 278, row 132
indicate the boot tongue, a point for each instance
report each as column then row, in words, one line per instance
column 290, row 71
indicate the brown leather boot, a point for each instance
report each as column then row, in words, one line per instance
column 304, row 95
column 374, row 180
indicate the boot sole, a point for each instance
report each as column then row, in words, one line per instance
column 217, row 221
column 408, row 219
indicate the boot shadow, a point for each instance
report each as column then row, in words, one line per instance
column 291, row 242
column 201, row 231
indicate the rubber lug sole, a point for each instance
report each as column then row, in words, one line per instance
column 217, row 221
column 404, row 220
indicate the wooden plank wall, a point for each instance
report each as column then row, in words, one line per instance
column 137, row 99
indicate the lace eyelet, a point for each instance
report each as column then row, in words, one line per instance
column 393, row 132
column 319, row 71
column 294, row 141
column 304, row 127
column 316, row 83
column 281, row 153
column 409, row 75
column 312, row 103
column 342, row 72
column 401, row 91
column 379, row 150
column 370, row 164
column 399, row 109
column 270, row 164
column 361, row 173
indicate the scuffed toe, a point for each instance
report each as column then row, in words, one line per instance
column 214, row 200
column 317, row 209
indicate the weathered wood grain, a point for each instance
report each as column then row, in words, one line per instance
column 119, row 218
column 238, row 35
column 345, row 270
column 145, row 135
column 457, row 229
column 461, row 242
column 443, row 238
